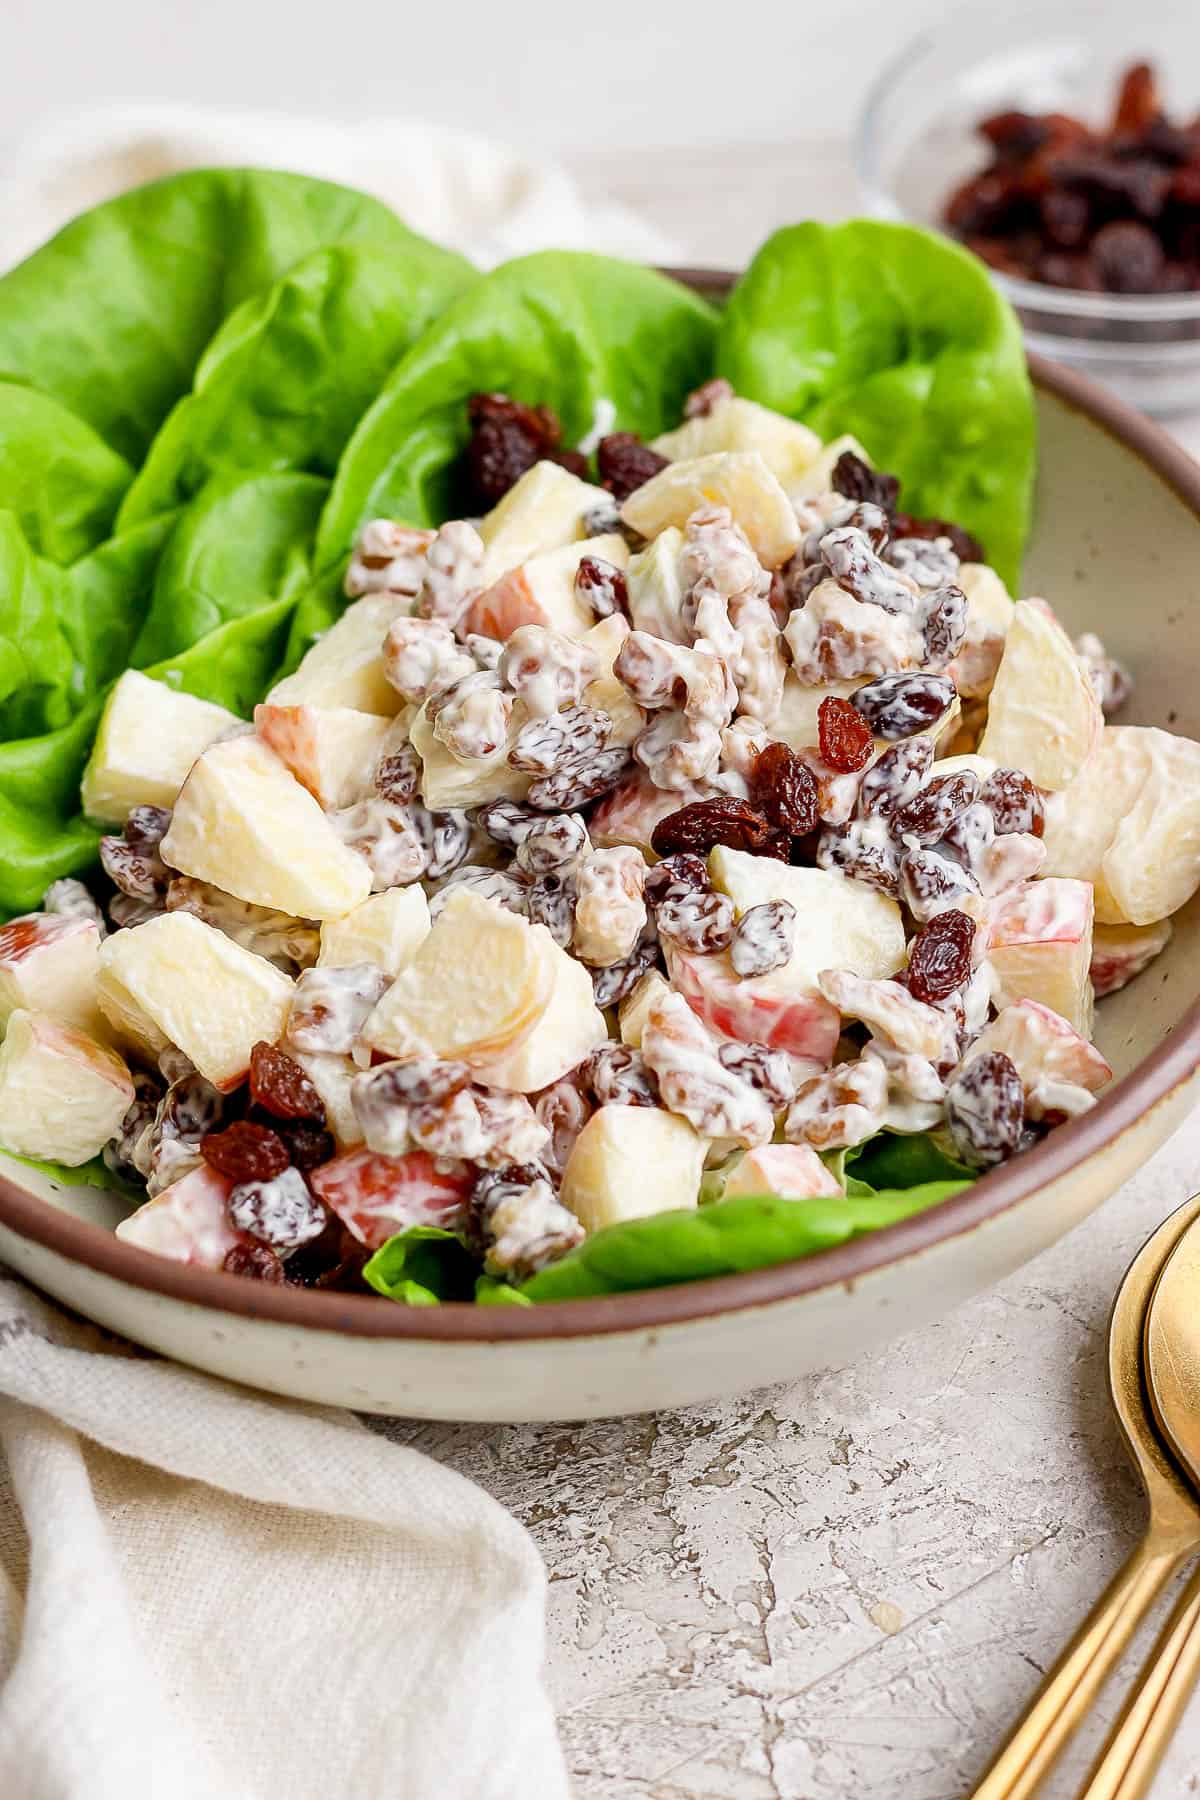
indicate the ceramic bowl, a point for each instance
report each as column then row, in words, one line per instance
column 1116, row 548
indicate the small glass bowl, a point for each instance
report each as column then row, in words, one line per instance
column 916, row 142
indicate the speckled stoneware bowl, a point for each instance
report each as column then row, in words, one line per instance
column 1116, row 547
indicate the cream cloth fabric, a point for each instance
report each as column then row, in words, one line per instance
column 209, row 1594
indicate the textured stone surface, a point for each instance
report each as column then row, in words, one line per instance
column 846, row 1587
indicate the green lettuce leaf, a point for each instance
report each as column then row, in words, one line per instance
column 422, row 1266
column 559, row 328
column 749, row 1232
column 58, row 477
column 290, row 373
column 899, row 337
column 894, row 1160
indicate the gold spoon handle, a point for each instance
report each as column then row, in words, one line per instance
column 1073, row 1682
column 1135, row 1747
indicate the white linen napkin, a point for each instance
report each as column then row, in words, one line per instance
column 210, row 1594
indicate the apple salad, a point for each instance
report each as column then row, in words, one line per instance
column 644, row 842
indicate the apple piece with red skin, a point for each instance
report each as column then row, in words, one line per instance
column 48, row 963
column 188, row 1222
column 756, row 1009
column 793, row 1171
column 331, row 750
column 1044, row 1047
column 377, row 1196
column 541, row 591
column 1040, row 947
column 1119, row 952
column 62, row 1095
column 630, row 812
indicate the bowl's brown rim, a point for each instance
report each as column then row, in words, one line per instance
column 1147, row 1086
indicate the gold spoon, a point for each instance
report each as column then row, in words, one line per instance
column 1127, row 1764
column 1172, row 1533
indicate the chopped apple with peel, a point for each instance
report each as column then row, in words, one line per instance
column 569, row 1029
column 474, row 988
column 1043, row 714
column 738, row 479
column 377, row 1196
column 62, row 1095
column 385, row 930
column 633, row 1009
column 244, row 823
column 543, row 511
column 149, row 737
column 1040, row 947
column 331, row 1076
column 1048, row 1053
column 755, row 1009
column 541, row 591
column 199, row 990
column 629, row 1162
column 605, row 693
column 1119, row 952
column 630, row 812
column 344, row 666
column 447, row 783
column 49, row 963
column 817, row 478
column 654, row 580
column 788, row 448
column 331, row 750
column 794, row 1171
column 188, row 1221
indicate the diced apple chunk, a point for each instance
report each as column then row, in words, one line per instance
column 48, row 964
column 542, row 511
column 629, row 1162
column 62, row 1095
column 567, row 1031
column 149, row 737
column 377, row 1196
column 244, row 823
column 1119, row 952
column 787, row 448
column 188, row 1221
column 345, row 665
column 385, row 930
column 738, row 479
column 794, row 1171
column 331, row 750
column 447, row 783
column 198, row 989
column 1043, row 714
column 630, row 812
column 1040, row 946
column 633, row 1009
column 654, row 580
column 542, row 591
column 476, row 985
column 1044, row 1047
column 1130, row 824
column 841, row 924
column 331, row 1076
column 756, row 1009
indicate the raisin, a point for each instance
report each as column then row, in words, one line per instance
column 966, row 547
column 1128, row 257
column 146, row 827
column 257, row 1261
column 1138, row 104
column 245, row 1151
column 931, row 812
column 601, row 585
column 929, row 882
column 985, row 1110
column 697, row 921
column 576, row 784
column 139, row 876
column 939, row 960
column 551, row 902
column 308, row 1145
column 626, row 464
column 333, row 1259
column 969, row 836
column 1015, row 134
column 281, row 1212
column 945, row 627
column 565, row 739
column 618, row 1076
column 857, row 480
column 768, row 1071
column 864, row 851
column 844, row 735
column 618, row 980
column 764, row 938
column 507, row 439
column 1066, row 218
column 899, row 706
column 281, row 1086
column 506, row 821
column 446, row 837
column 895, row 778
column 398, row 775
column 1015, row 802
column 556, row 842
column 785, row 790
column 706, row 397
column 734, row 823
column 673, row 874
column 414, row 1081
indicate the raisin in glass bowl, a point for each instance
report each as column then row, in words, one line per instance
column 917, row 142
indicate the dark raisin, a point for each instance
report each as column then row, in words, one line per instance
column 939, row 960
column 945, row 613
column 734, row 823
column 619, row 1076
column 281, row 1086
column 565, row 739
column 1015, row 134
column 969, row 836
column 1128, row 257
column 895, row 778
column 446, row 837
column 333, row 1259
column 930, row 881
column 764, row 938
column 697, row 921
column 966, row 547
column 576, row 784
column 1138, row 104
column 768, row 1071
column 618, row 980
column 864, row 851
column 551, row 902
column 307, row 1145
column 145, row 828
column 675, row 873
column 557, row 842
column 282, row 1212
column 257, row 1261
column 625, row 463
column 245, row 1151
column 140, row 876
column 899, row 706
column 931, row 812
column 985, row 1110
column 1066, row 218
column 1014, row 802
column 844, row 735
column 857, row 480
column 506, row 821
column 785, row 790
column 414, row 1081
column 507, row 439
column 398, row 775
column 601, row 585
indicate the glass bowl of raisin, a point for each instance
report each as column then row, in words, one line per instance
column 1068, row 158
